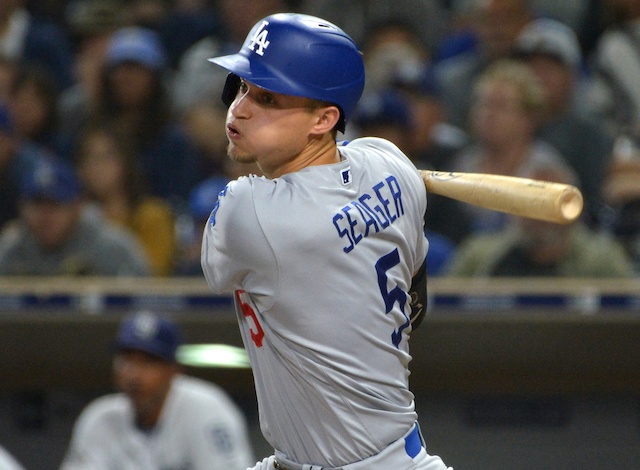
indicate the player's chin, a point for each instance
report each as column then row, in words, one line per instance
column 139, row 402
column 237, row 155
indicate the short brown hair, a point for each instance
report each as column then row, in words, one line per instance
column 519, row 75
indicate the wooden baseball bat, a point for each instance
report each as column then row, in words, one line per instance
column 524, row 197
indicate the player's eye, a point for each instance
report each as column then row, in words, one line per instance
column 268, row 98
column 243, row 87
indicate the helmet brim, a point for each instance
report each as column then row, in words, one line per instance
column 258, row 74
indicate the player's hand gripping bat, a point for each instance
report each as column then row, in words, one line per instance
column 542, row 200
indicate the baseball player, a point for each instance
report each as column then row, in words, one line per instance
column 161, row 420
column 324, row 253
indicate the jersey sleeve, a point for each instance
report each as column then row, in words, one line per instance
column 222, row 442
column 86, row 450
column 234, row 247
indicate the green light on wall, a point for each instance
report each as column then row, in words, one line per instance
column 213, row 355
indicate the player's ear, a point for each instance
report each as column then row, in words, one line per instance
column 326, row 119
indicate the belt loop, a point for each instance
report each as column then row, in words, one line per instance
column 424, row 443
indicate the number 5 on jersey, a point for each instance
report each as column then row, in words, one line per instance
column 394, row 295
column 257, row 333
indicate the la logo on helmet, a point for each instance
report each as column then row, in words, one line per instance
column 260, row 39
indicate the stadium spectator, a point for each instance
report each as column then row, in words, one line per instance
column 17, row 158
column 205, row 125
column 91, row 23
column 198, row 81
column 160, row 417
column 31, row 40
column 621, row 193
column 402, row 103
column 396, row 57
column 428, row 18
column 495, row 24
column 506, row 104
column 34, row 106
column 179, row 23
column 135, row 102
column 393, row 51
column 532, row 248
column 585, row 17
column 8, row 72
column 615, row 96
column 387, row 114
column 202, row 201
column 552, row 51
column 54, row 236
column 115, row 185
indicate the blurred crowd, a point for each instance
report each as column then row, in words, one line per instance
column 112, row 144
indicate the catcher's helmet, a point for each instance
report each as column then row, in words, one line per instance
column 300, row 55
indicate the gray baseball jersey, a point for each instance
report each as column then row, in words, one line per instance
column 8, row 462
column 200, row 428
column 321, row 261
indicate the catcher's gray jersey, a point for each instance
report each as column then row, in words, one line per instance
column 321, row 261
column 200, row 428
column 7, row 462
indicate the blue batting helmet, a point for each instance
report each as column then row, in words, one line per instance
column 300, row 55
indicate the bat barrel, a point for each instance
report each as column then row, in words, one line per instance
column 524, row 197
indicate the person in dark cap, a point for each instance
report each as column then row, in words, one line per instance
column 89, row 17
column 392, row 113
column 552, row 50
column 31, row 40
column 202, row 200
column 160, row 418
column 53, row 235
column 385, row 113
column 17, row 158
column 133, row 99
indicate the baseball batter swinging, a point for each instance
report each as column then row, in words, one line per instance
column 325, row 254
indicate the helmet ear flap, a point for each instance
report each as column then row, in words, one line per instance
column 230, row 89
